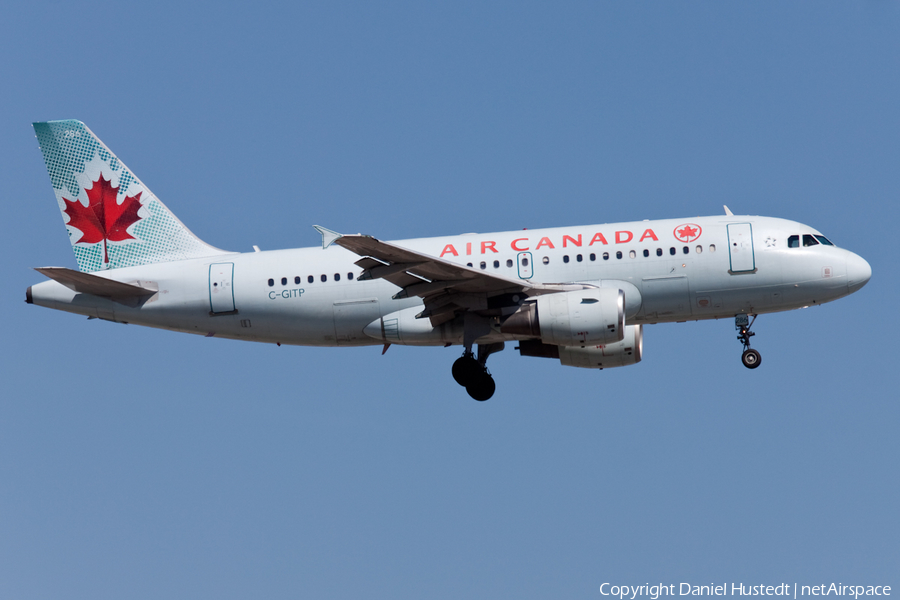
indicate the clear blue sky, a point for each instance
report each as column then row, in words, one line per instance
column 145, row 464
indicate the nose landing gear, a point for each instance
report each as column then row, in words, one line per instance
column 751, row 358
column 472, row 373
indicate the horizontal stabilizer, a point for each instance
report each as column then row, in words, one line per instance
column 85, row 283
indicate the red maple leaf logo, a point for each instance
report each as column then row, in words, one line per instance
column 688, row 232
column 103, row 219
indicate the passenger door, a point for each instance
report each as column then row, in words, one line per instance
column 740, row 248
column 221, row 292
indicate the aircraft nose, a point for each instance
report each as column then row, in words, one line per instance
column 858, row 272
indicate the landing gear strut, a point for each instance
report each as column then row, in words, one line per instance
column 472, row 373
column 751, row 358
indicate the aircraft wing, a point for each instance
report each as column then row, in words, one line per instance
column 446, row 287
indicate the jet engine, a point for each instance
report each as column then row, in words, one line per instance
column 578, row 318
column 626, row 352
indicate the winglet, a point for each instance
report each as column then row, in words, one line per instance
column 328, row 236
column 728, row 211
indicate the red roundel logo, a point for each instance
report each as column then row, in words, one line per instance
column 687, row 232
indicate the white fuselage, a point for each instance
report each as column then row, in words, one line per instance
column 312, row 296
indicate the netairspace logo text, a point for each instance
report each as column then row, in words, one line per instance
column 654, row 592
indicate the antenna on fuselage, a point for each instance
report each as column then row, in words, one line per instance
column 728, row 211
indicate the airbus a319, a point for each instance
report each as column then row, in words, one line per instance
column 580, row 295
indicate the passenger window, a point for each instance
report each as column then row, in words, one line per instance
column 271, row 282
column 686, row 250
column 566, row 258
column 324, row 278
column 794, row 241
column 469, row 265
column 297, row 279
column 632, row 254
column 337, row 276
column 593, row 257
column 646, row 253
column 824, row 240
column 712, row 247
column 606, row 256
column 508, row 262
column 619, row 254
column 284, row 281
column 524, row 262
column 809, row 240
column 699, row 249
column 578, row 257
column 483, row 265
column 546, row 260
column 350, row 276
column 310, row 279
column 659, row 251
column 496, row 264
column 672, row 251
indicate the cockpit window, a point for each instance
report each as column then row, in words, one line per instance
column 794, row 241
column 824, row 240
column 809, row 240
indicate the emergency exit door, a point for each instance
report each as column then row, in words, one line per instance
column 740, row 248
column 526, row 269
column 221, row 292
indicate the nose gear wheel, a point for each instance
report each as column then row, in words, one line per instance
column 751, row 358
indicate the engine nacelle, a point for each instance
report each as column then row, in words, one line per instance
column 629, row 351
column 578, row 318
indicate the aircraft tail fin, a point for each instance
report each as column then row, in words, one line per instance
column 112, row 218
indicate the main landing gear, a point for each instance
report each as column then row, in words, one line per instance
column 751, row 358
column 472, row 373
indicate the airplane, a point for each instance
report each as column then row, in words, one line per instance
column 581, row 294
